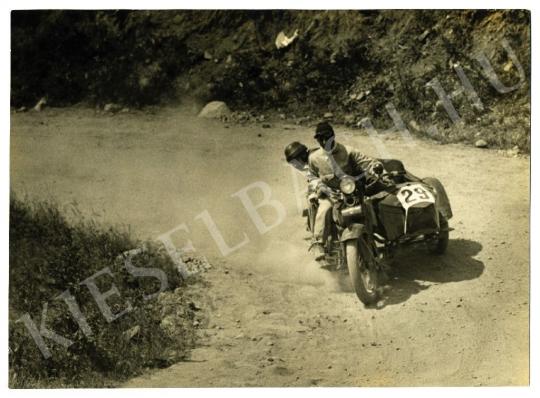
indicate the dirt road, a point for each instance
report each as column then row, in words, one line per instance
column 275, row 319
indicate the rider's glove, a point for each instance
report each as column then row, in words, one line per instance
column 387, row 180
column 322, row 190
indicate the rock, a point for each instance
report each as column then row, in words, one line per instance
column 513, row 152
column 207, row 55
column 349, row 119
column 423, row 36
column 168, row 324
column 414, row 126
column 40, row 104
column 21, row 109
column 282, row 116
column 131, row 333
column 283, row 41
column 215, row 110
column 125, row 110
column 302, row 120
column 328, row 115
column 113, row 108
column 481, row 144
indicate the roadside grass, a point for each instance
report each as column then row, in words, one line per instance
column 48, row 256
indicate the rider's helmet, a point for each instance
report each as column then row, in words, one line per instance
column 295, row 150
column 324, row 130
column 324, row 134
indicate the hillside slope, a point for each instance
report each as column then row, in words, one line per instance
column 350, row 63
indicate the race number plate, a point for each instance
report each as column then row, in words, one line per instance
column 413, row 194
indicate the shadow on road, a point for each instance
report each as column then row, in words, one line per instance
column 414, row 270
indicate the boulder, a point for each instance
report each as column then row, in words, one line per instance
column 513, row 152
column 215, row 110
column 414, row 126
column 40, row 104
column 113, row 108
column 481, row 144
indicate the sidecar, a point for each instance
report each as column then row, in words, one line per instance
column 413, row 210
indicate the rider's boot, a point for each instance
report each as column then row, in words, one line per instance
column 318, row 251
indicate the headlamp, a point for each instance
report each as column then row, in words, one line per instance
column 347, row 185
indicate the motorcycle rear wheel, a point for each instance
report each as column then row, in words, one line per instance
column 364, row 279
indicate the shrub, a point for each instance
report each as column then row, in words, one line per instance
column 48, row 255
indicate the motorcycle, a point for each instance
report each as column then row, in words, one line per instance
column 369, row 222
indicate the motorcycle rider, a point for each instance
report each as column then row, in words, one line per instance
column 327, row 165
column 297, row 154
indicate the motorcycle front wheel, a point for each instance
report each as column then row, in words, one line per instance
column 364, row 279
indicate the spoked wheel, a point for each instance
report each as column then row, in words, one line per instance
column 438, row 243
column 360, row 261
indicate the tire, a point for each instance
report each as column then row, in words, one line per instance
column 364, row 280
column 438, row 246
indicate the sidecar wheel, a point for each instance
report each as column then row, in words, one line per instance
column 439, row 245
column 365, row 281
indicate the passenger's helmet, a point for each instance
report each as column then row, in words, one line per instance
column 295, row 150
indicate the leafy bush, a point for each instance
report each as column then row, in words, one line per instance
column 48, row 256
column 98, row 56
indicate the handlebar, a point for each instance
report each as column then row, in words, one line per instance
column 334, row 194
column 387, row 174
